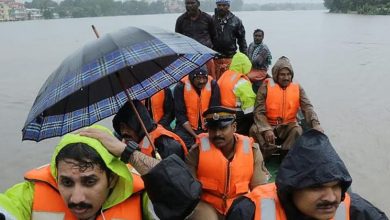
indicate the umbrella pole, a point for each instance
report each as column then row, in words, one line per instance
column 138, row 117
column 132, row 106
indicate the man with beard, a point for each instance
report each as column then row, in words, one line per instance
column 193, row 95
column 229, row 32
column 198, row 25
column 275, row 116
column 88, row 179
column 311, row 183
column 227, row 164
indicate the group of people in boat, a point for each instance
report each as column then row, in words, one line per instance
column 201, row 154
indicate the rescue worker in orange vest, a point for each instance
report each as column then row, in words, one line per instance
column 88, row 178
column 278, row 100
column 161, row 108
column 227, row 164
column 311, row 183
column 236, row 91
column 193, row 95
column 128, row 127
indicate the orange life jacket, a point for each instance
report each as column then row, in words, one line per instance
column 48, row 203
column 147, row 148
column 223, row 180
column 268, row 206
column 195, row 104
column 157, row 105
column 226, row 83
column 282, row 105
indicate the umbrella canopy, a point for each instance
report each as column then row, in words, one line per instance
column 90, row 84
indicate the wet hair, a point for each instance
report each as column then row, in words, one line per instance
column 86, row 157
column 258, row 30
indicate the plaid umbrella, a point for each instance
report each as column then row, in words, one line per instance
column 91, row 84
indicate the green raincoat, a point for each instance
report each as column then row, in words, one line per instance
column 16, row 202
column 243, row 89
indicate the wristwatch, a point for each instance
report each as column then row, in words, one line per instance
column 131, row 146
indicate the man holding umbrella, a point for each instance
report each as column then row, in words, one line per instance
column 87, row 180
column 128, row 127
column 193, row 95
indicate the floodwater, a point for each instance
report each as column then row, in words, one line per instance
column 342, row 61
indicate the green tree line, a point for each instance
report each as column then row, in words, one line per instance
column 377, row 7
column 97, row 8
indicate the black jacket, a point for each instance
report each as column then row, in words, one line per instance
column 311, row 161
column 230, row 32
column 202, row 29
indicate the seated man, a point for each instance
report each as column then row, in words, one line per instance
column 128, row 127
column 311, row 183
column 275, row 116
column 227, row 164
column 193, row 95
column 161, row 108
column 86, row 180
column 236, row 91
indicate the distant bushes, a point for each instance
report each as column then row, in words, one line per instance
column 372, row 7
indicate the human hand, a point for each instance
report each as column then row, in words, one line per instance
column 269, row 137
column 318, row 128
column 110, row 142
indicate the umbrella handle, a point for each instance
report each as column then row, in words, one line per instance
column 141, row 122
column 132, row 106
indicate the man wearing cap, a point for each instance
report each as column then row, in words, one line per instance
column 229, row 32
column 193, row 95
column 227, row 164
column 198, row 25
column 275, row 116
column 312, row 183
column 128, row 127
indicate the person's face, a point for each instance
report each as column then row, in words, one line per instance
column 84, row 191
column 318, row 202
column 258, row 37
column 222, row 136
column 192, row 6
column 223, row 9
column 199, row 81
column 284, row 77
column 129, row 134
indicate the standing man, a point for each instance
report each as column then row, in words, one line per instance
column 161, row 108
column 311, row 183
column 261, row 58
column 128, row 127
column 227, row 164
column 275, row 116
column 230, row 32
column 88, row 178
column 198, row 25
column 194, row 94
column 237, row 92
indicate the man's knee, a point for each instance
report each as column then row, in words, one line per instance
column 204, row 211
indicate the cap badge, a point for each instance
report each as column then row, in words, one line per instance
column 215, row 116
